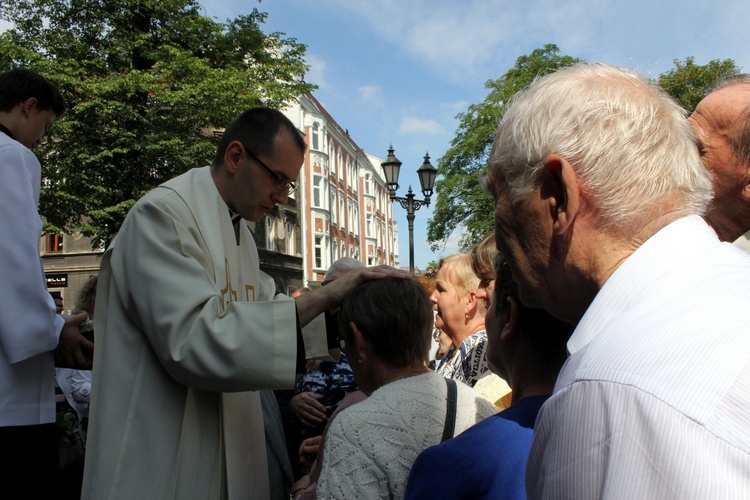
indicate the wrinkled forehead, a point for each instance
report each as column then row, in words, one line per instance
column 723, row 111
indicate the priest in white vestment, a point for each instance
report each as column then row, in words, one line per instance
column 187, row 327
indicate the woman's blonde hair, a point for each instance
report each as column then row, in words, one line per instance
column 458, row 271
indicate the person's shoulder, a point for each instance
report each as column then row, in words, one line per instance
column 354, row 414
column 487, row 434
column 161, row 198
column 524, row 411
column 474, row 342
column 513, row 435
column 12, row 148
column 475, row 460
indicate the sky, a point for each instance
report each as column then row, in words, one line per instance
column 397, row 72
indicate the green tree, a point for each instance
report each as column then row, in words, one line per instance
column 460, row 199
column 688, row 82
column 146, row 82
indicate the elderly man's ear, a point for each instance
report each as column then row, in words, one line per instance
column 561, row 192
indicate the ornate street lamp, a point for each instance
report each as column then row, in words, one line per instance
column 427, row 173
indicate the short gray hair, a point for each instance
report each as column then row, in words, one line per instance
column 629, row 143
column 394, row 315
column 728, row 81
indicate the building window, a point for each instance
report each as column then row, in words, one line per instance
column 353, row 226
column 315, row 135
column 331, row 159
column 290, row 239
column 322, row 252
column 318, row 252
column 342, row 212
column 334, row 212
column 317, row 188
column 270, row 234
column 54, row 243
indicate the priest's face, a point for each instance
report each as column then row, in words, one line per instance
column 254, row 188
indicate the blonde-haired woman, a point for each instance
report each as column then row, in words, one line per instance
column 460, row 315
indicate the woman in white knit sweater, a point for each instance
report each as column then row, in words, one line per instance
column 386, row 328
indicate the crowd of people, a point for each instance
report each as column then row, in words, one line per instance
column 594, row 346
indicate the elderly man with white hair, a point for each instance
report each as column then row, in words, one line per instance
column 599, row 193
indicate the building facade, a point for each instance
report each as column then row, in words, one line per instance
column 347, row 209
column 69, row 261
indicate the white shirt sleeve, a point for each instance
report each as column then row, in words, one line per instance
column 80, row 387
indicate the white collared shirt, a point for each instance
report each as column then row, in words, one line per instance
column 654, row 401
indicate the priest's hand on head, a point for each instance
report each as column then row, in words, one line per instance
column 329, row 297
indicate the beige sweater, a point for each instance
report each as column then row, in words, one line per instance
column 372, row 445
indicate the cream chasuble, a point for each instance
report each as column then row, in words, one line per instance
column 190, row 327
column 237, row 274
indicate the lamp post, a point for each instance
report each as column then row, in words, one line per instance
column 427, row 174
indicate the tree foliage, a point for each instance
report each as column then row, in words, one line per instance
column 688, row 82
column 460, row 199
column 145, row 80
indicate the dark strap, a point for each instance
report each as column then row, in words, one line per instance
column 5, row 130
column 450, row 415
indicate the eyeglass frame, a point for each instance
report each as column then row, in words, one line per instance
column 287, row 186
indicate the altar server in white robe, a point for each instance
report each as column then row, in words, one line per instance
column 187, row 326
column 31, row 333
